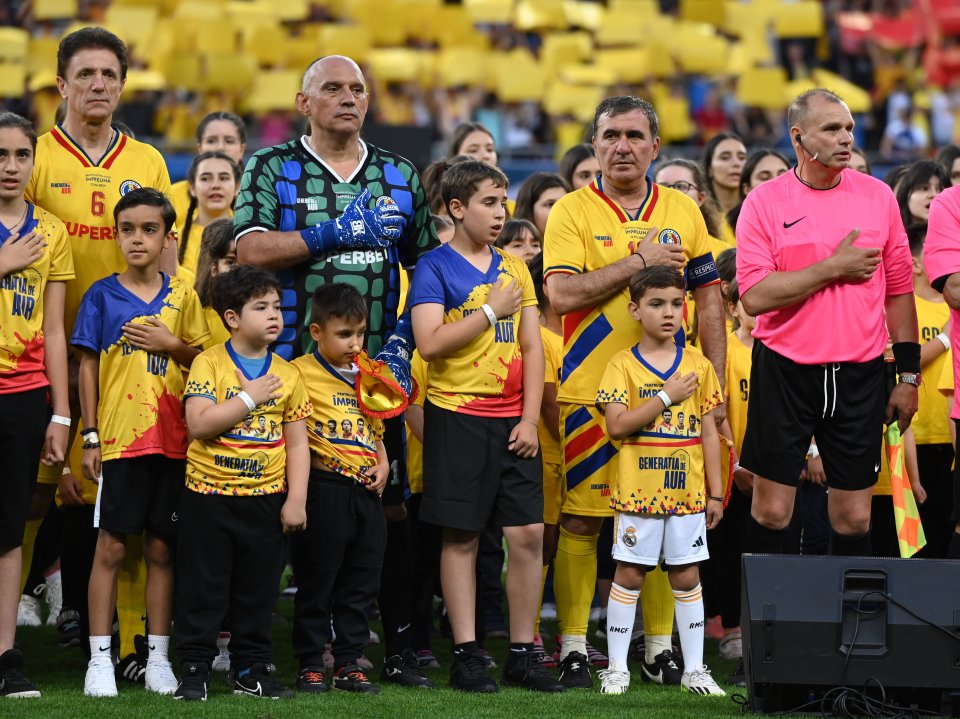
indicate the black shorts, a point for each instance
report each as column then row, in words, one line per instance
column 842, row 404
column 22, row 431
column 395, row 442
column 141, row 493
column 471, row 481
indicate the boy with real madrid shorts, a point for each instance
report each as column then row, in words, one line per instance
column 669, row 490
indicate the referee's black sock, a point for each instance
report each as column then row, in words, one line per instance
column 954, row 550
column 850, row 545
column 762, row 540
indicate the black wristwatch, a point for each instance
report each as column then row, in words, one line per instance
column 910, row 378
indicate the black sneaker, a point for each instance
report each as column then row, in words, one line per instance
column 404, row 669
column 13, row 683
column 523, row 669
column 311, row 680
column 352, row 678
column 739, row 676
column 133, row 667
column 575, row 671
column 68, row 628
column 468, row 673
column 257, row 681
column 664, row 669
column 194, row 679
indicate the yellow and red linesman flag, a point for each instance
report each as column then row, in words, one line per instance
column 909, row 529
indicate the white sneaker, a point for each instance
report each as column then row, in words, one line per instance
column 28, row 612
column 699, row 681
column 159, row 677
column 54, row 599
column 614, row 681
column 100, row 680
column 731, row 646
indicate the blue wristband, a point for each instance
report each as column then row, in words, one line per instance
column 321, row 238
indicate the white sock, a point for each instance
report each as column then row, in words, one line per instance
column 621, row 610
column 573, row 643
column 157, row 646
column 688, row 607
column 100, row 650
column 654, row 644
column 223, row 641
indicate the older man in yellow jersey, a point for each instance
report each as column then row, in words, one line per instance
column 596, row 239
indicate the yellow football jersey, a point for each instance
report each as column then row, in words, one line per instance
column 418, row 370
column 21, row 303
column 83, row 192
column 192, row 253
column 485, row 376
column 739, row 361
column 930, row 423
column 341, row 436
column 587, row 231
column 661, row 467
column 249, row 458
column 552, row 349
column 180, row 199
column 140, row 410
column 945, row 379
column 219, row 334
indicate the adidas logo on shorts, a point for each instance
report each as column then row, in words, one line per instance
column 698, row 543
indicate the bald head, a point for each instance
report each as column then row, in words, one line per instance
column 320, row 68
column 800, row 108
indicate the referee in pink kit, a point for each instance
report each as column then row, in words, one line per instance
column 823, row 263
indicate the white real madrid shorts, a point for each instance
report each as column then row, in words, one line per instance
column 653, row 539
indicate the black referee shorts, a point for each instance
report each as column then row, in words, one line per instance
column 471, row 481
column 842, row 404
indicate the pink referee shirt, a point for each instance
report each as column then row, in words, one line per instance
column 941, row 257
column 786, row 226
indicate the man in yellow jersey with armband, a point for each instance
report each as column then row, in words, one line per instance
column 596, row 239
column 83, row 167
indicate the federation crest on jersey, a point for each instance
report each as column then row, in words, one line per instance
column 128, row 186
column 669, row 237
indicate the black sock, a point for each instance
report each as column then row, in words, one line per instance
column 953, row 552
column 850, row 545
column 466, row 648
column 520, row 648
column 761, row 540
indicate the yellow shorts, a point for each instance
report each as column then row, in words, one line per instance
column 552, row 492
column 589, row 461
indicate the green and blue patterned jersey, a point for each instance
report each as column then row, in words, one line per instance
column 289, row 187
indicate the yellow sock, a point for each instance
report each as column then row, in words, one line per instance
column 29, row 540
column 131, row 595
column 543, row 583
column 657, row 601
column 574, row 578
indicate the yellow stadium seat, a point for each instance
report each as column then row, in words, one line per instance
column 214, row 37
column 579, row 101
column 803, row 18
column 42, row 55
column 144, row 81
column 233, row 72
column 450, row 26
column 763, row 87
column 699, row 49
column 42, row 81
column 796, row 87
column 563, row 48
column 267, row 44
column 744, row 19
column 628, row 64
column 620, row 27
column 273, row 90
column 587, row 15
column 350, row 40
column 519, row 77
column 182, row 70
column 249, row 15
column 200, row 10
column 857, row 99
column 134, row 24
column 673, row 109
column 13, row 80
column 641, row 7
column 14, row 44
column 395, row 64
column 489, row 12
column 539, row 15
column 458, row 66
column 708, row 11
column 54, row 9
column 290, row 10
column 588, row 75
column 304, row 48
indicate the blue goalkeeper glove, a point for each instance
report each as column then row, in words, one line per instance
column 358, row 227
column 397, row 351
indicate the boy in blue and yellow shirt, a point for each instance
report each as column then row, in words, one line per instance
column 337, row 561
column 247, row 466
column 475, row 321
column 135, row 330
